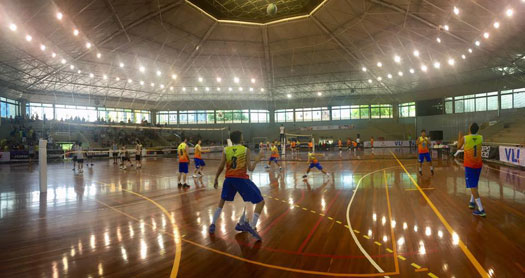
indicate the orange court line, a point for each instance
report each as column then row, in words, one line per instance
column 321, row 273
column 445, row 223
column 394, row 246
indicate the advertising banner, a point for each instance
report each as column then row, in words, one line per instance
column 512, row 155
column 5, row 156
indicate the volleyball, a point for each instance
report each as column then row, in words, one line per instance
column 271, row 9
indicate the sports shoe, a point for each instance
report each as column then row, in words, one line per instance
column 185, row 185
column 305, row 176
column 211, row 229
column 240, row 227
column 421, row 173
column 179, row 185
column 252, row 231
column 471, row 205
column 479, row 213
column 266, row 167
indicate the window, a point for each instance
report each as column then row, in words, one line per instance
column 378, row 111
column 519, row 98
column 65, row 112
column 195, row 117
column 40, row 111
column 312, row 114
column 407, row 110
column 284, row 116
column 232, row 116
column 506, row 99
column 364, row 112
column 341, row 113
column 259, row 116
column 473, row 103
column 449, row 105
column 9, row 108
column 116, row 115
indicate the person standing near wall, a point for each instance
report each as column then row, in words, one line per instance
column 281, row 133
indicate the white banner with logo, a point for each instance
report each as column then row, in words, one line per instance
column 5, row 156
column 387, row 144
column 512, row 155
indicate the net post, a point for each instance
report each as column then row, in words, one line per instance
column 42, row 165
column 313, row 144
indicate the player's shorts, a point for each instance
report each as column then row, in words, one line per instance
column 199, row 163
column 183, row 167
column 138, row 157
column 316, row 165
column 80, row 160
column 74, row 158
column 273, row 159
column 124, row 158
column 248, row 190
column 424, row 156
column 472, row 177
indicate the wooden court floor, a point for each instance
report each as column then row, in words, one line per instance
column 371, row 218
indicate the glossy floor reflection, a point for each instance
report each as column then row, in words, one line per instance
column 137, row 223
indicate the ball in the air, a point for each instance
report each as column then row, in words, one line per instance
column 271, row 9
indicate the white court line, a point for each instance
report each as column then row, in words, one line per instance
column 376, row 266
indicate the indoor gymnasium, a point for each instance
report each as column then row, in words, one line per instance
column 262, row 138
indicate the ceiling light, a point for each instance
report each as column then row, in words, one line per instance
column 117, row 78
column 251, row 89
column 142, row 69
column 477, row 43
column 470, row 50
column 463, row 56
column 72, row 67
column 438, row 40
column 416, row 53
column 451, row 61
column 412, row 71
column 446, row 27
column 496, row 24
column 53, row 54
column 240, row 89
column 486, row 35
column 218, row 89
column 289, row 95
column 363, row 69
column 159, row 73
column 88, row 45
column 509, row 12
column 236, row 79
column 99, row 55
column 253, row 80
column 369, row 80
column 397, row 59
column 437, row 65
column 219, row 79
column 319, row 93
column 130, row 81
column 121, row 65
column 379, row 78
column 456, row 10
column 424, row 68
column 379, row 64
column 63, row 61
column 200, row 79
column 400, row 73
column 59, row 15
column 42, row 47
column 184, row 89
column 389, row 76
column 162, row 86
column 171, row 88
column 29, row 38
column 262, row 89
column 13, row 27
column 230, row 89
column 75, row 32
column 91, row 75
column 173, row 76
column 105, row 77
column 141, row 82
column 195, row 89
column 152, row 84
column 207, row 89
column 79, row 71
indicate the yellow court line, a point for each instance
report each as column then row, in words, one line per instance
column 311, row 272
column 445, row 223
column 394, row 242
column 415, row 189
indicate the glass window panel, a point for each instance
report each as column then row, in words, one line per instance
column 459, row 107
column 481, row 104
column 316, row 115
column 448, row 107
column 519, row 100
column 325, row 116
column 470, row 105
column 506, row 101
column 336, row 114
column 492, row 103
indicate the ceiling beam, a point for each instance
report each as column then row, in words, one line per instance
column 268, row 60
column 197, row 48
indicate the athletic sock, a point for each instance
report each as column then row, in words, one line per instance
column 478, row 202
column 243, row 217
column 216, row 215
column 255, row 219
column 431, row 168
column 419, row 169
column 471, row 198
